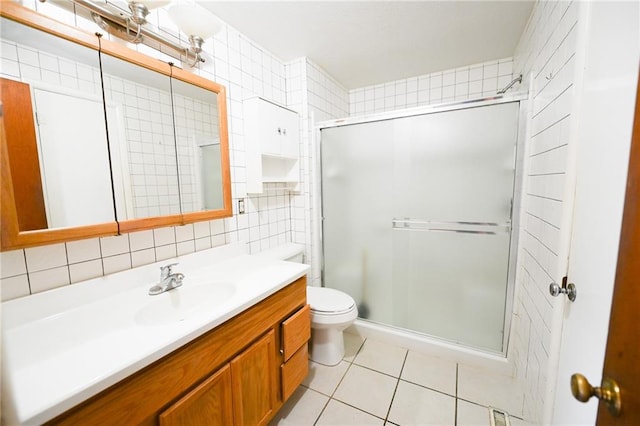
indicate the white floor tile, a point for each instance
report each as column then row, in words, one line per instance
column 367, row 390
column 303, row 408
column 488, row 388
column 352, row 344
column 381, row 357
column 323, row 378
column 472, row 414
column 431, row 372
column 340, row 414
column 415, row 405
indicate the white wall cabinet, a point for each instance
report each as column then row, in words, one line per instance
column 272, row 140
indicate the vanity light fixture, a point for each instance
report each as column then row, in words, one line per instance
column 192, row 19
column 196, row 22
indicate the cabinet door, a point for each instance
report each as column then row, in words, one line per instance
column 270, row 129
column 253, row 378
column 208, row 404
column 289, row 142
column 296, row 331
column 294, row 371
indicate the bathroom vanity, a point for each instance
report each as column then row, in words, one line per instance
column 228, row 347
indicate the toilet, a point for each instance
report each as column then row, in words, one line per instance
column 332, row 311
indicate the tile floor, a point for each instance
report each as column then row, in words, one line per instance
column 381, row 384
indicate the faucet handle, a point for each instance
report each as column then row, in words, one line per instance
column 167, row 270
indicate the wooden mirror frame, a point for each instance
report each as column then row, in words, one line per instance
column 10, row 236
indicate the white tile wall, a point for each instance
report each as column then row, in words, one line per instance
column 318, row 97
column 545, row 57
column 463, row 83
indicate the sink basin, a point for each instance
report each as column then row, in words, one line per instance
column 184, row 302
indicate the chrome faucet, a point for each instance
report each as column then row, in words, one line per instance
column 168, row 280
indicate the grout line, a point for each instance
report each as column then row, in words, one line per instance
column 350, row 363
column 455, row 407
column 428, row 388
column 404, row 361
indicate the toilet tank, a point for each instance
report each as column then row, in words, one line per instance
column 290, row 252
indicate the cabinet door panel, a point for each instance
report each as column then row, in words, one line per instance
column 253, row 382
column 294, row 371
column 296, row 331
column 208, row 404
column 269, row 126
column 289, row 123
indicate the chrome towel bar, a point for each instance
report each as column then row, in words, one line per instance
column 488, row 228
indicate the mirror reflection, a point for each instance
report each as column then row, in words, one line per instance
column 141, row 137
column 198, row 147
column 54, row 122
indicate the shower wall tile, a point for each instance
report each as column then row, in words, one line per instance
column 546, row 58
column 463, row 83
column 317, row 97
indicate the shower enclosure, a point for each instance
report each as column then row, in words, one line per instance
column 417, row 219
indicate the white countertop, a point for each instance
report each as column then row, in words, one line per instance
column 63, row 346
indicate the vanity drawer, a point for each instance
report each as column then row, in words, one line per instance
column 294, row 371
column 296, row 331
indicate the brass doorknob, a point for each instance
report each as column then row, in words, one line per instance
column 608, row 392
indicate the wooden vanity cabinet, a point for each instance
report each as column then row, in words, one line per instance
column 235, row 374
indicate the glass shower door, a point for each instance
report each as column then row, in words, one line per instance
column 417, row 226
column 356, row 184
column 453, row 190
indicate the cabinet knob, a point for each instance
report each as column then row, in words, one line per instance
column 279, row 131
column 284, row 132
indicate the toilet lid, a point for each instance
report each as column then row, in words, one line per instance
column 323, row 299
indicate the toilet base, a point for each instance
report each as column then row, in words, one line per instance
column 327, row 346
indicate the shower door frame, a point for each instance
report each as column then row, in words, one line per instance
column 516, row 194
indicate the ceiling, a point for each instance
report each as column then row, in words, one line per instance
column 361, row 43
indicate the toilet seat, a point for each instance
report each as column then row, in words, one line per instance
column 327, row 301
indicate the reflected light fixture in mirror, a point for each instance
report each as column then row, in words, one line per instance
column 196, row 22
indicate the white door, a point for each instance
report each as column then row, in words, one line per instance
column 74, row 160
column 602, row 153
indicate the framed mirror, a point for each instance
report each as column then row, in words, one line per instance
column 150, row 179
